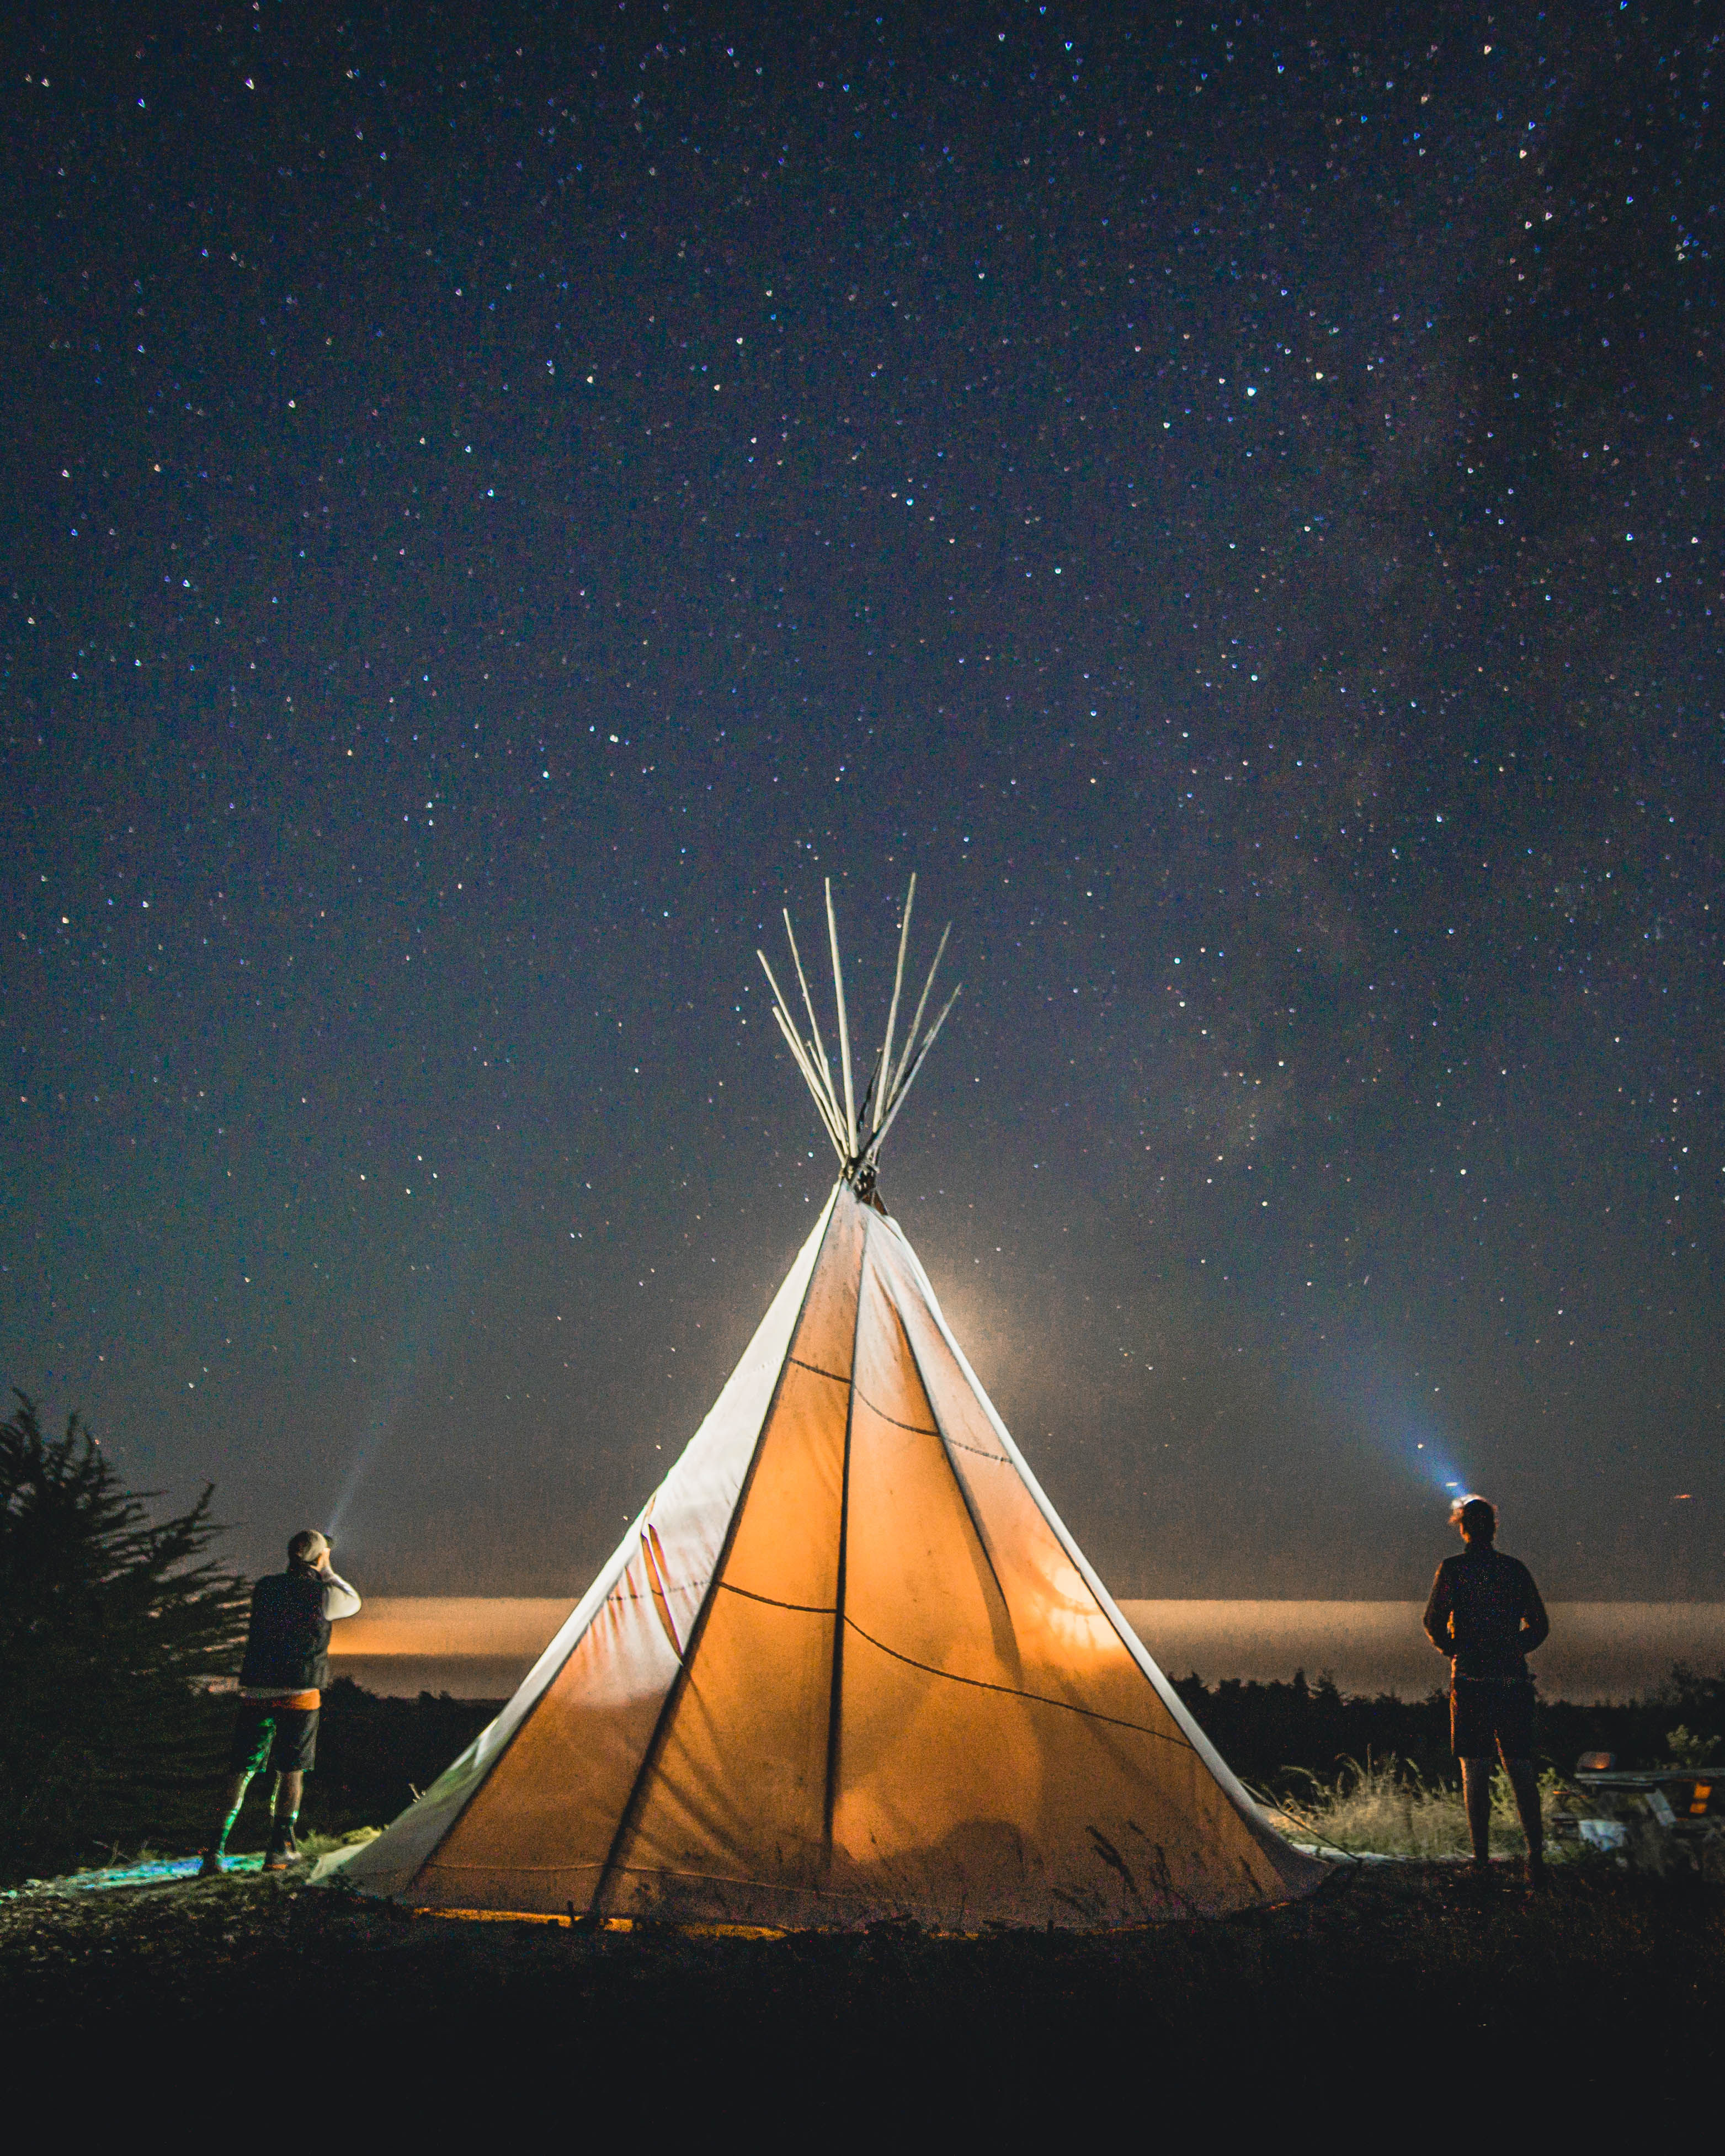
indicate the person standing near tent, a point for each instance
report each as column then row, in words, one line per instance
column 281, row 1684
column 1485, row 1615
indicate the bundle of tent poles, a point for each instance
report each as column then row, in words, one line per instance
column 858, row 1131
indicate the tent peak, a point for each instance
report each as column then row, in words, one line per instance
column 857, row 1129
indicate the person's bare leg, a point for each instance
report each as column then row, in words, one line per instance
column 1525, row 1782
column 1476, row 1796
column 289, row 1788
column 230, row 1811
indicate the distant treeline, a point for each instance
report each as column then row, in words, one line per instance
column 1276, row 1733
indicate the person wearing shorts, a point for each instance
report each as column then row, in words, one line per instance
column 1485, row 1615
column 281, row 1683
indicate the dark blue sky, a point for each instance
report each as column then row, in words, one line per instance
column 496, row 504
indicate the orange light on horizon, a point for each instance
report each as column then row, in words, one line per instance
column 434, row 1627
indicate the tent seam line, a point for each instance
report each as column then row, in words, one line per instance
column 806, row 1608
column 916, row 1429
column 835, row 1681
column 1036, row 1698
column 816, row 1371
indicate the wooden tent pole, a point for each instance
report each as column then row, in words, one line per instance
column 799, row 1048
column 809, row 1005
column 899, row 1098
column 884, row 1070
column 843, row 1022
column 922, row 1003
column 844, row 1120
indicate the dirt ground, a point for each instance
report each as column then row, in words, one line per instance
column 1399, row 1997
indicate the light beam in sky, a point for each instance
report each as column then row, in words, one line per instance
column 410, row 1359
column 378, row 1432
column 1432, row 1463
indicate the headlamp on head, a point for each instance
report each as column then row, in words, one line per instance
column 1474, row 1516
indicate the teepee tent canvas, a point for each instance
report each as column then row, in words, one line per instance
column 848, row 1663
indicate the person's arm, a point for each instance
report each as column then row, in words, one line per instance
column 1437, row 1615
column 1536, row 1625
column 339, row 1598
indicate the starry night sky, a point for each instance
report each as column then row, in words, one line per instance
column 496, row 502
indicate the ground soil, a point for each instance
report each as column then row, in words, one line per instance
column 1399, row 1996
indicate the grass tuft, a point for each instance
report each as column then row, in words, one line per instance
column 1386, row 1808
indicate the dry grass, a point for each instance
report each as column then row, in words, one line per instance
column 1386, row 1808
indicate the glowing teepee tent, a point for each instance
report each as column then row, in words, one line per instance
column 848, row 1663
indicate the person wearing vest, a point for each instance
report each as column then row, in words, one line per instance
column 281, row 1684
column 1485, row 1615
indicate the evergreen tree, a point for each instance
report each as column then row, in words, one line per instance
column 111, row 1625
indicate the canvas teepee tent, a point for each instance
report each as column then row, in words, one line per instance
column 848, row 1663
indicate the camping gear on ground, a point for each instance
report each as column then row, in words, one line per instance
column 1657, row 1819
column 848, row 1664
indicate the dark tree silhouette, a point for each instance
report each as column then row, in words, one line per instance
column 111, row 1625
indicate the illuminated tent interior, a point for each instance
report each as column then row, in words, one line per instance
column 848, row 1663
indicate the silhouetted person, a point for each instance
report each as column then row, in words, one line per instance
column 281, row 1684
column 1485, row 1613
